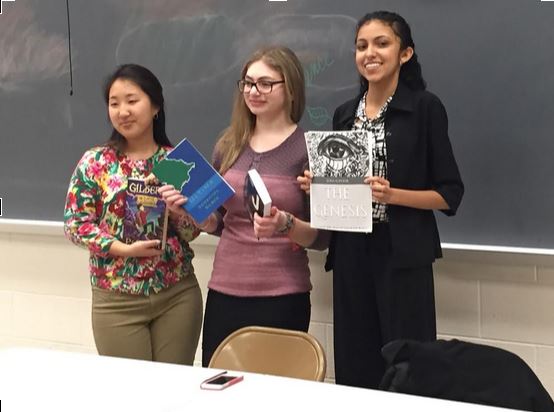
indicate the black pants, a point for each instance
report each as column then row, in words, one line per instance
column 375, row 303
column 226, row 314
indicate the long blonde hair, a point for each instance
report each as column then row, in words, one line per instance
column 235, row 137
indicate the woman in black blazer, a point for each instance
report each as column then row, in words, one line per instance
column 383, row 281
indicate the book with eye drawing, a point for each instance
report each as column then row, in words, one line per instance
column 339, row 161
column 256, row 196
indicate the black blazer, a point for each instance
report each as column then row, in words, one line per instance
column 419, row 156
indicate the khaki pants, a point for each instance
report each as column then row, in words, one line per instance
column 163, row 327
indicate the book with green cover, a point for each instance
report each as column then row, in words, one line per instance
column 189, row 172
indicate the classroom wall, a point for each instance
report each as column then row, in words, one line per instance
column 475, row 56
column 500, row 299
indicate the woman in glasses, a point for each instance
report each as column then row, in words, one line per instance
column 260, row 273
column 383, row 281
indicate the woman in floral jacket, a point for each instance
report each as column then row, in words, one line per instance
column 146, row 302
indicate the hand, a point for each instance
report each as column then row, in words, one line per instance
column 173, row 198
column 380, row 189
column 266, row 226
column 305, row 181
column 145, row 248
column 208, row 225
column 140, row 248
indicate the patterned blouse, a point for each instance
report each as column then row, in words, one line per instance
column 93, row 218
column 376, row 128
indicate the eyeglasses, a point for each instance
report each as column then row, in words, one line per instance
column 262, row 86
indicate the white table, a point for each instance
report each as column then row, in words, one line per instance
column 43, row 380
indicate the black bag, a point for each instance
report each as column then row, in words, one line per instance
column 463, row 371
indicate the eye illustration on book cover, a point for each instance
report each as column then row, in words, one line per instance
column 338, row 154
column 145, row 217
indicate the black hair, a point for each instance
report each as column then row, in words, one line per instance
column 150, row 85
column 410, row 72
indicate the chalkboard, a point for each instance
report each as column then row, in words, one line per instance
column 490, row 61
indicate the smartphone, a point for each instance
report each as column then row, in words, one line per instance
column 220, row 381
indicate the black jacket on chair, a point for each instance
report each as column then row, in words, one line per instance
column 463, row 371
column 420, row 157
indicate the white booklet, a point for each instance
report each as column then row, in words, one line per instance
column 257, row 199
column 339, row 161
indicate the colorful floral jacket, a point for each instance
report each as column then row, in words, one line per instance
column 93, row 218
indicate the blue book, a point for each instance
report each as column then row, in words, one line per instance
column 189, row 172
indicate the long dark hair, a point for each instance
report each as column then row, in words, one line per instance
column 410, row 72
column 150, row 85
